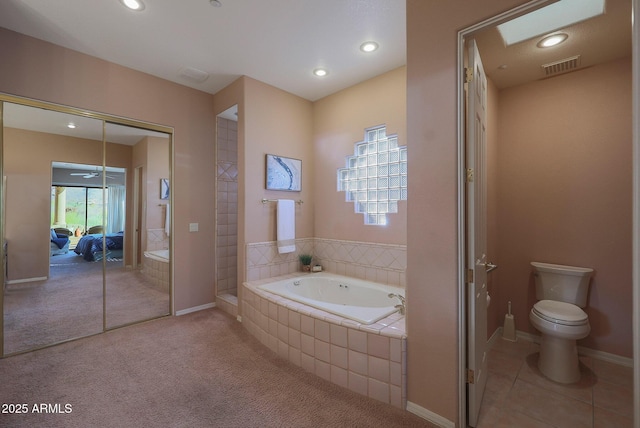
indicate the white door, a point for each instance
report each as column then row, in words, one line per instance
column 476, row 234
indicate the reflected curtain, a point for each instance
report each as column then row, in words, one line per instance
column 115, row 209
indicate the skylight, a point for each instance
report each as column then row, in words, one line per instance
column 550, row 18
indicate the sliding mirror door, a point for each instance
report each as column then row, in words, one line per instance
column 138, row 220
column 50, row 294
column 86, row 223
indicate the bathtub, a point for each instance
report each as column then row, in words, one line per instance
column 159, row 255
column 156, row 269
column 369, row 359
column 362, row 301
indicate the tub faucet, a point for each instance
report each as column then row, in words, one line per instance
column 401, row 306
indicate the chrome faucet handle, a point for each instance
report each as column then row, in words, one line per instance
column 401, row 298
column 401, row 307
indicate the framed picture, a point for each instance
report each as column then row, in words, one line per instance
column 284, row 173
column 164, row 188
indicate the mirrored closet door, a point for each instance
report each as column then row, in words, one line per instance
column 137, row 282
column 85, row 223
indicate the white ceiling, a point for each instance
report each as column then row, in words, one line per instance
column 53, row 122
column 279, row 42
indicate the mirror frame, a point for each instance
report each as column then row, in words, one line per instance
column 105, row 118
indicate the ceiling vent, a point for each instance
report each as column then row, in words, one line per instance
column 563, row 66
column 194, row 74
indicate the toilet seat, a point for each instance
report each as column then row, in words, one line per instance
column 560, row 313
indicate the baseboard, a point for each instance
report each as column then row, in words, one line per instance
column 587, row 352
column 21, row 281
column 429, row 416
column 494, row 337
column 195, row 309
column 605, row 356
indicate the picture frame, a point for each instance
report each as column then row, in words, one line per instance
column 164, row 188
column 283, row 173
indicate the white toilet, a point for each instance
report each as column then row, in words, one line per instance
column 561, row 291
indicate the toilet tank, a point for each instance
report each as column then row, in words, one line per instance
column 562, row 283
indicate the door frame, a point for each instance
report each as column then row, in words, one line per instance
column 463, row 35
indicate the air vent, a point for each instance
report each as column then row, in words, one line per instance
column 194, row 74
column 563, row 66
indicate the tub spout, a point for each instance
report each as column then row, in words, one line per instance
column 401, row 307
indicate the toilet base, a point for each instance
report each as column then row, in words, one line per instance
column 559, row 359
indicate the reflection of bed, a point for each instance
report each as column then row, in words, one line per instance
column 90, row 246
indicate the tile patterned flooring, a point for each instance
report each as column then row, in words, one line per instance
column 518, row 395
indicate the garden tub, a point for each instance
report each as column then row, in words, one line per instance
column 362, row 301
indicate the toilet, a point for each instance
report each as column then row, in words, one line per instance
column 561, row 292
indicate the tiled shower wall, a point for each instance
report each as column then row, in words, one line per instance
column 382, row 263
column 227, row 206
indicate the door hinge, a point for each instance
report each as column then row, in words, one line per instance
column 468, row 75
column 469, row 175
column 469, row 276
column 471, row 376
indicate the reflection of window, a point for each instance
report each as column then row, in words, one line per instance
column 76, row 207
column 375, row 177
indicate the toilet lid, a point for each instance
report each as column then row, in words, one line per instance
column 560, row 312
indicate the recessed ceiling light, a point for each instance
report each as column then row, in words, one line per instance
column 136, row 5
column 215, row 3
column 320, row 72
column 368, row 47
column 71, row 125
column 552, row 40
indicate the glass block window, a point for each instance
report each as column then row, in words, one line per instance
column 375, row 177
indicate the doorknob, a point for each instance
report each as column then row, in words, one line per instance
column 490, row 266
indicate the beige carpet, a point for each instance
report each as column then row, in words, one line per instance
column 198, row 370
column 69, row 304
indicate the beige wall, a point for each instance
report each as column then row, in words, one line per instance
column 432, row 265
column 27, row 161
column 157, row 167
column 496, row 310
column 279, row 123
column 340, row 121
column 564, row 193
column 47, row 72
column 153, row 155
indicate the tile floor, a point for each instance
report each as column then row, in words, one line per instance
column 518, row 395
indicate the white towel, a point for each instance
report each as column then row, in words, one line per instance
column 167, row 219
column 286, row 226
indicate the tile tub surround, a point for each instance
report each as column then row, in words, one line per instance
column 367, row 359
column 157, row 272
column 228, row 303
column 382, row 263
column 157, row 239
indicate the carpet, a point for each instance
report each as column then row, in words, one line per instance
column 198, row 370
column 70, row 305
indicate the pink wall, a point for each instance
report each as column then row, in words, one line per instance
column 40, row 70
column 157, row 167
column 496, row 310
column 27, row 161
column 153, row 155
column 432, row 265
column 275, row 122
column 339, row 122
column 564, row 193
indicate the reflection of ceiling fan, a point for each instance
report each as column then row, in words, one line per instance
column 90, row 174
